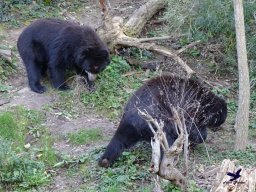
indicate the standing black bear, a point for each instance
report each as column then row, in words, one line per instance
column 58, row 45
column 201, row 108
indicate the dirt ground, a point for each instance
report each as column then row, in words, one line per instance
column 22, row 95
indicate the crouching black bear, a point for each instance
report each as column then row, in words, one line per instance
column 57, row 45
column 201, row 108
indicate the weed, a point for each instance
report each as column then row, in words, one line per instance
column 139, row 54
column 85, row 136
column 17, row 13
column 9, row 129
column 113, row 89
column 26, row 149
column 246, row 157
column 208, row 20
column 6, row 68
column 19, row 171
column 129, row 173
column 4, row 88
column 221, row 91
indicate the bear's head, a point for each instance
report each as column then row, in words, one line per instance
column 92, row 60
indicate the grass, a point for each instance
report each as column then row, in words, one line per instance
column 9, row 129
column 245, row 158
column 85, row 136
column 26, row 149
column 129, row 173
column 114, row 88
column 212, row 22
column 6, row 69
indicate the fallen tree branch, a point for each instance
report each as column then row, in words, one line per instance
column 187, row 47
column 139, row 17
column 141, row 40
column 114, row 33
column 134, row 42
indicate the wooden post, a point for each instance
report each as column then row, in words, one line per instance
column 242, row 117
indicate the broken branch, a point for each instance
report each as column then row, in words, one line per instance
column 140, row 16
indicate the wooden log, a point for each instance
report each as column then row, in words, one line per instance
column 224, row 183
column 140, row 16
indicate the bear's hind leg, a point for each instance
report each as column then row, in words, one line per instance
column 34, row 75
column 57, row 76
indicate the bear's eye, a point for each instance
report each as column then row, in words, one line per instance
column 96, row 67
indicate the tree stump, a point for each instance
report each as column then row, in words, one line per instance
column 224, row 183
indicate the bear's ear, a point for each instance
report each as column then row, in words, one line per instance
column 103, row 53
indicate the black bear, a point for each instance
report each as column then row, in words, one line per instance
column 57, row 45
column 201, row 109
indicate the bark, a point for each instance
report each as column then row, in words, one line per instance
column 245, row 183
column 113, row 31
column 139, row 18
column 242, row 117
column 166, row 167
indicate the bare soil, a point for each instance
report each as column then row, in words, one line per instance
column 59, row 127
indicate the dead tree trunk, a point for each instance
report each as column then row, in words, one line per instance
column 114, row 32
column 242, row 117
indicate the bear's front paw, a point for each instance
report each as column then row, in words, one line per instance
column 104, row 163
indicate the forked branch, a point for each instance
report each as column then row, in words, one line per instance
column 114, row 32
column 166, row 168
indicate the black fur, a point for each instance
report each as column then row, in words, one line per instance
column 201, row 108
column 57, row 45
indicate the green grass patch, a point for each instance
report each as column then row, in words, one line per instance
column 212, row 21
column 6, row 69
column 25, row 149
column 9, row 128
column 129, row 173
column 17, row 13
column 19, row 171
column 217, row 154
column 22, row 12
column 114, row 88
column 85, row 136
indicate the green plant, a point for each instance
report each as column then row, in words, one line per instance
column 211, row 21
column 113, row 88
column 6, row 68
column 25, row 149
column 221, row 91
column 246, row 157
column 9, row 129
column 129, row 173
column 19, row 171
column 85, row 136
column 139, row 54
